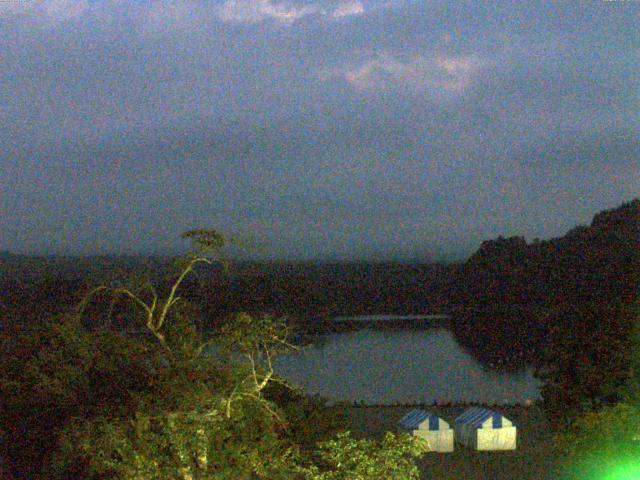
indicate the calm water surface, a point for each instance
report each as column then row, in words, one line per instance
column 401, row 366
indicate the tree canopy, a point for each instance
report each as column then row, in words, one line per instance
column 168, row 400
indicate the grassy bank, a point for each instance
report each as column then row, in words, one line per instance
column 532, row 460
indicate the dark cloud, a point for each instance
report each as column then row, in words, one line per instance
column 327, row 128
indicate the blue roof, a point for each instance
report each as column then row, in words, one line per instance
column 414, row 418
column 476, row 416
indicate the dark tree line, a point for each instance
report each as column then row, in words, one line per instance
column 566, row 305
column 300, row 291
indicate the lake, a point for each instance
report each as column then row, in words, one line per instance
column 401, row 366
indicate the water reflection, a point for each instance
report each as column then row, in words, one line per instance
column 402, row 366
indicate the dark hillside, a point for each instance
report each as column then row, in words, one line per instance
column 35, row 287
column 506, row 296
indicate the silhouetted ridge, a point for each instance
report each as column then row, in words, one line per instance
column 506, row 296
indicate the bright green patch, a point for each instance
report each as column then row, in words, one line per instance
column 624, row 467
column 626, row 470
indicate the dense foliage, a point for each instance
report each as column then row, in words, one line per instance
column 564, row 305
column 601, row 443
column 589, row 360
column 162, row 399
column 345, row 458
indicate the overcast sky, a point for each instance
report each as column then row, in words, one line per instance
column 322, row 128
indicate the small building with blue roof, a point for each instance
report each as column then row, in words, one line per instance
column 429, row 426
column 483, row 429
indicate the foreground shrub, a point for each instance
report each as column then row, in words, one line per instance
column 347, row 458
column 602, row 445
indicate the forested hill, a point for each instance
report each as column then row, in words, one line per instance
column 509, row 294
column 37, row 287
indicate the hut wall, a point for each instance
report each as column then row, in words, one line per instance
column 496, row 438
column 438, row 440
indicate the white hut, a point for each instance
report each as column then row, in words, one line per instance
column 483, row 429
column 429, row 426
